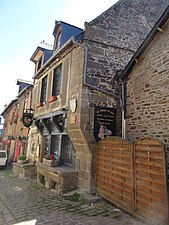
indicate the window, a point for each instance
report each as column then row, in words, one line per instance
column 55, row 144
column 2, row 154
column 60, row 145
column 67, row 152
column 39, row 64
column 56, row 80
column 43, row 90
column 57, row 41
column 46, row 145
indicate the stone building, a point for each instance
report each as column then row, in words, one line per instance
column 77, row 94
column 147, row 86
column 15, row 134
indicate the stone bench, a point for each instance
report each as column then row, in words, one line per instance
column 63, row 179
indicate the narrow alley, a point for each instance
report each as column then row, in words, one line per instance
column 24, row 202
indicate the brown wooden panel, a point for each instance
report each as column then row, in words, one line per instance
column 114, row 171
column 134, row 180
column 150, row 180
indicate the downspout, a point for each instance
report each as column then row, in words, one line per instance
column 123, row 110
column 121, row 99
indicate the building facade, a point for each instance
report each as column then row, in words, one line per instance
column 77, row 96
column 15, row 134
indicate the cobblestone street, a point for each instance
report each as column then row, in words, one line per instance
column 25, row 202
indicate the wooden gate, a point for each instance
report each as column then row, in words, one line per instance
column 133, row 177
column 150, row 180
column 114, row 171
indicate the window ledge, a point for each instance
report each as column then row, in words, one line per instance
column 52, row 99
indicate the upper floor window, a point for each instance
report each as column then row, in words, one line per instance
column 57, row 40
column 39, row 64
column 43, row 89
column 57, row 80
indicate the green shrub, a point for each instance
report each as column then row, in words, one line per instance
column 22, row 157
column 76, row 197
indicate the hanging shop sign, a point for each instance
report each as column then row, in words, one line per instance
column 27, row 119
column 104, row 122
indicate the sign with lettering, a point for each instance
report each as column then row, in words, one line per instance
column 27, row 119
column 104, row 122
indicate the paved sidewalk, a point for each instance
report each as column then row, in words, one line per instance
column 25, row 202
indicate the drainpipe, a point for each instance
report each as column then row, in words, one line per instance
column 123, row 110
column 121, row 99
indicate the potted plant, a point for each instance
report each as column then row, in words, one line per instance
column 51, row 160
column 22, row 159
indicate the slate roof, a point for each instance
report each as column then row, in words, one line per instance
column 47, row 54
column 68, row 31
column 130, row 21
column 145, row 44
column 23, row 85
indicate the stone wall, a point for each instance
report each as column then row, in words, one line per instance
column 148, row 92
column 115, row 35
column 81, row 122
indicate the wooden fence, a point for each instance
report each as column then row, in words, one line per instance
column 133, row 177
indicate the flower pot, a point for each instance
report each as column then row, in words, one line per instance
column 50, row 163
column 39, row 104
column 22, row 161
column 52, row 99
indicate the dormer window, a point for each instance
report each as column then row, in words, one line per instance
column 39, row 64
column 57, row 41
column 57, row 35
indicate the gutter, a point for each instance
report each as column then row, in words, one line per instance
column 121, row 99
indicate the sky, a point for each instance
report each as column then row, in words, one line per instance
column 24, row 24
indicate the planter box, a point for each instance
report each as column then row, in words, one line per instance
column 50, row 163
column 39, row 104
column 52, row 99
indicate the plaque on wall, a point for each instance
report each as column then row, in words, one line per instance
column 73, row 105
column 72, row 119
column 104, row 122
